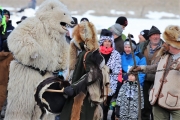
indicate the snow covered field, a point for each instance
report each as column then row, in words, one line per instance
column 134, row 25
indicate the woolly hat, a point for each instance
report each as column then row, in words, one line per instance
column 171, row 35
column 145, row 33
column 122, row 21
column 127, row 42
column 106, row 35
column 84, row 19
column 116, row 29
column 6, row 12
column 22, row 18
column 153, row 30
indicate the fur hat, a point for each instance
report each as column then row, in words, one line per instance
column 154, row 30
column 106, row 35
column 171, row 35
column 144, row 33
column 85, row 34
column 6, row 12
column 122, row 21
column 116, row 29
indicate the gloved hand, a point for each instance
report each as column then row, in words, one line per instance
column 136, row 68
column 69, row 91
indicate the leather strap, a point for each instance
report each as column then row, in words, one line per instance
column 84, row 59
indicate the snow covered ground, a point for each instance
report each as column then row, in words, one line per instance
column 134, row 25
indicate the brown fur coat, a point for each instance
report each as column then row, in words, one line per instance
column 83, row 32
column 5, row 59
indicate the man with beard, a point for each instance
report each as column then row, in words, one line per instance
column 150, row 50
column 164, row 95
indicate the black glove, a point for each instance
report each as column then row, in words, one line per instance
column 69, row 91
column 110, row 71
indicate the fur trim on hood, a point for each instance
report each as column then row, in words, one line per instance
column 171, row 35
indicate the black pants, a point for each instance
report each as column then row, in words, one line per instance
column 147, row 111
column 106, row 107
column 108, row 102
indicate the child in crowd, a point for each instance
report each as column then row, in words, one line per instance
column 127, row 100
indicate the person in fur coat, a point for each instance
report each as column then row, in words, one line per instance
column 83, row 51
column 165, row 93
column 39, row 48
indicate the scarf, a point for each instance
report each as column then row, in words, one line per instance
column 105, row 50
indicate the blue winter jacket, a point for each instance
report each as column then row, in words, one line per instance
column 127, row 63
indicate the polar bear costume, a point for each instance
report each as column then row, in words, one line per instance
column 39, row 48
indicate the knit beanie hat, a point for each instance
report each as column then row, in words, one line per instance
column 116, row 29
column 122, row 21
column 84, row 19
column 106, row 35
column 127, row 42
column 6, row 12
column 153, row 30
column 145, row 33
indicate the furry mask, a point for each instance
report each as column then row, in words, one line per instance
column 85, row 32
column 84, row 37
column 171, row 36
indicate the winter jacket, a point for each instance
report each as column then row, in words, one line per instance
column 114, row 64
column 166, row 90
column 127, row 101
column 127, row 63
column 119, row 44
column 5, row 59
column 4, row 36
column 146, row 50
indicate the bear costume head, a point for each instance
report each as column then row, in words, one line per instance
column 84, row 37
column 39, row 41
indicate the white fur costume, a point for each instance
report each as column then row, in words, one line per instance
column 38, row 42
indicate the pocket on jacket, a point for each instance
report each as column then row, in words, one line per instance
column 151, row 93
column 171, row 100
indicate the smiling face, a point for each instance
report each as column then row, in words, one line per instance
column 131, row 77
column 107, row 43
column 154, row 39
column 127, row 49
